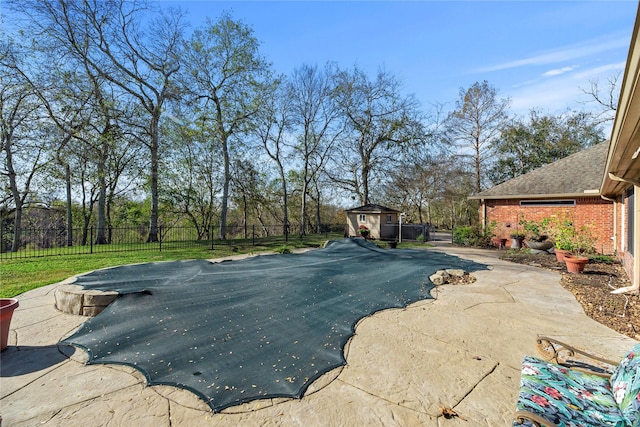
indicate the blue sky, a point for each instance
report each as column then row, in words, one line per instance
column 538, row 53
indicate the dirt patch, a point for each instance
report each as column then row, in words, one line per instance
column 593, row 289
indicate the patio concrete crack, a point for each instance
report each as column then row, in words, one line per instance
column 380, row 397
column 477, row 384
column 512, row 299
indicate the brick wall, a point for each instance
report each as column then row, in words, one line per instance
column 587, row 211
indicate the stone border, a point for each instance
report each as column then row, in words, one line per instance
column 442, row 277
column 72, row 299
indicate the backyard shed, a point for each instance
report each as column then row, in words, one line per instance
column 382, row 222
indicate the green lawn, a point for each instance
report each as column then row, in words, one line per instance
column 23, row 274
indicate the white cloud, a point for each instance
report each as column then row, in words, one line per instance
column 563, row 54
column 558, row 71
column 598, row 71
column 560, row 89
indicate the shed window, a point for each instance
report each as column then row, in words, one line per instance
column 388, row 218
column 547, row 202
column 362, row 218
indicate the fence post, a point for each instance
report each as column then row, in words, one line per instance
column 253, row 234
column 211, row 235
column 91, row 239
column 160, row 239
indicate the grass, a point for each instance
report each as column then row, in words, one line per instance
column 24, row 274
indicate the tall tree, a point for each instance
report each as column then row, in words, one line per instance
column 525, row 145
column 192, row 170
column 475, row 124
column 110, row 38
column 316, row 125
column 24, row 145
column 228, row 78
column 381, row 122
column 271, row 128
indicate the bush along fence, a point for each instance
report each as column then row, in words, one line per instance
column 35, row 242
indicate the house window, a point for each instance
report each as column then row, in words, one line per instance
column 388, row 218
column 362, row 218
column 547, row 202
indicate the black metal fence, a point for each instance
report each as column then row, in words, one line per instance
column 35, row 242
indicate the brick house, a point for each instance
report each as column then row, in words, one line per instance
column 599, row 185
column 569, row 186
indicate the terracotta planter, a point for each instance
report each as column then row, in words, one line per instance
column 7, row 306
column 575, row 263
column 560, row 253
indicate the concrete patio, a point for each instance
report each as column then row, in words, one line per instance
column 461, row 350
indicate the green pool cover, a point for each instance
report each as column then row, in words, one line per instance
column 261, row 327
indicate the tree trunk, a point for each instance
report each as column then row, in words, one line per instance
column 225, row 189
column 17, row 224
column 67, row 178
column 477, row 161
column 303, row 209
column 364, row 177
column 285, row 201
column 318, row 219
column 153, row 223
column 101, row 238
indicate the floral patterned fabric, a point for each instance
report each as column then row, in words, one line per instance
column 565, row 397
column 625, row 384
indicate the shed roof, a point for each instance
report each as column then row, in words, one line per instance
column 372, row 208
column 577, row 175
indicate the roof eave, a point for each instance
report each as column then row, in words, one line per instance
column 533, row 196
column 622, row 168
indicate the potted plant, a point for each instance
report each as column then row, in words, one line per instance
column 7, row 306
column 583, row 243
column 537, row 238
column 364, row 231
column 564, row 235
column 517, row 237
column 575, row 263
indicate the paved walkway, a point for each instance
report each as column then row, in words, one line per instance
column 462, row 350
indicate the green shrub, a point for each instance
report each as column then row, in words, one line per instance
column 283, row 250
column 605, row 259
column 472, row 236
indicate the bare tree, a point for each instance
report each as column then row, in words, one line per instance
column 315, row 118
column 606, row 98
column 271, row 127
column 476, row 123
column 381, row 124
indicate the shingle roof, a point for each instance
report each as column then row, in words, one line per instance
column 579, row 174
column 372, row 208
